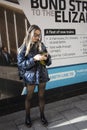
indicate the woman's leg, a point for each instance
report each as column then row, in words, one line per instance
column 30, row 89
column 41, row 94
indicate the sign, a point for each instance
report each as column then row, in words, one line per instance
column 63, row 24
column 64, row 32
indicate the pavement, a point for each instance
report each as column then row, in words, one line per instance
column 67, row 114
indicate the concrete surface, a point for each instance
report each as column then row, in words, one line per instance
column 67, row 114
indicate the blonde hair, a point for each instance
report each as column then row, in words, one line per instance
column 28, row 40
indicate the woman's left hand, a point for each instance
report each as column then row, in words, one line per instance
column 43, row 57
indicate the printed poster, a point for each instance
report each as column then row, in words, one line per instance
column 64, row 32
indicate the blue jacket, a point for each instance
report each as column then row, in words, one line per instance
column 32, row 72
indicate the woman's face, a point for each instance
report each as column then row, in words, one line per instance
column 37, row 36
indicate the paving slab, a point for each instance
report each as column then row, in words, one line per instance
column 61, row 125
column 82, row 105
column 67, row 114
column 23, row 127
column 64, row 102
column 83, row 96
column 8, row 126
column 81, row 122
column 72, row 114
column 37, row 125
column 53, row 115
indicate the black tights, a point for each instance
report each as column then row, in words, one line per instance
column 41, row 92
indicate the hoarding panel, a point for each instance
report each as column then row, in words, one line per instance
column 64, row 32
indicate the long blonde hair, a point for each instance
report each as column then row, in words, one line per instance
column 28, row 40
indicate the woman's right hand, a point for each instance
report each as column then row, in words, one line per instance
column 39, row 57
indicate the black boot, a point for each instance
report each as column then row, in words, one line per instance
column 28, row 122
column 44, row 120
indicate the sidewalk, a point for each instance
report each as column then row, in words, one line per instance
column 67, row 114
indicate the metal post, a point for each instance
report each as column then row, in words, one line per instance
column 16, row 36
column 7, row 34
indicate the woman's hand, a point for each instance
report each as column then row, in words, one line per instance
column 40, row 57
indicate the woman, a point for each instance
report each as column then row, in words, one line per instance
column 32, row 60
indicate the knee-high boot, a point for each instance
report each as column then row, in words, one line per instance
column 43, row 119
column 28, row 122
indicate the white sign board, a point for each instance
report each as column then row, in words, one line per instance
column 64, row 28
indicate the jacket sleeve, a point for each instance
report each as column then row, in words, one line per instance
column 24, row 62
column 48, row 61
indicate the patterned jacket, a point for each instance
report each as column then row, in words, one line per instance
column 32, row 72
